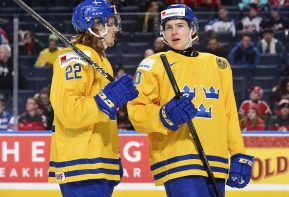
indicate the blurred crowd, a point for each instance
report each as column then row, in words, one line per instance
column 254, row 113
column 38, row 114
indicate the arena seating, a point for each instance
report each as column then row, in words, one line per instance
column 129, row 50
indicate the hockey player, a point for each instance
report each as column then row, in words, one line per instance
column 84, row 147
column 208, row 80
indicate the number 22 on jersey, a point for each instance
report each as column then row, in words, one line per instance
column 73, row 72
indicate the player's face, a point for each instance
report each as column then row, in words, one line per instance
column 111, row 31
column 177, row 33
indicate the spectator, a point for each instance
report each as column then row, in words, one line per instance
column 255, row 101
column 5, row 116
column 270, row 45
column 276, row 21
column 222, row 23
column 151, row 18
column 45, row 107
column 215, row 48
column 48, row 55
column 159, row 45
column 280, row 122
column 280, row 91
column 31, row 120
column 32, row 46
column 244, row 53
column 251, row 121
column 251, row 23
column 148, row 52
column 6, row 68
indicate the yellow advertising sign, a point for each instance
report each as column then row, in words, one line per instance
column 271, row 165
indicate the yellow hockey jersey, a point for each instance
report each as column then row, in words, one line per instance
column 208, row 79
column 85, row 142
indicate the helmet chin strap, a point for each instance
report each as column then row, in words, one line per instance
column 101, row 36
column 192, row 39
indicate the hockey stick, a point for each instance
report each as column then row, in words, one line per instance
column 48, row 26
column 192, row 128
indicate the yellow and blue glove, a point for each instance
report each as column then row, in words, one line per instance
column 240, row 170
column 177, row 111
column 116, row 94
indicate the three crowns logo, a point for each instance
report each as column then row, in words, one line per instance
column 211, row 93
column 188, row 92
column 203, row 112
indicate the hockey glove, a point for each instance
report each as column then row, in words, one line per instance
column 240, row 170
column 177, row 112
column 116, row 94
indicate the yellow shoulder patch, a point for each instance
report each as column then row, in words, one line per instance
column 221, row 63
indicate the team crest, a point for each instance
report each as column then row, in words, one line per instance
column 221, row 63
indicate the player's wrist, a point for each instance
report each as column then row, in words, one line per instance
column 243, row 159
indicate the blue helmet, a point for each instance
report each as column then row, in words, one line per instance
column 89, row 10
column 179, row 11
